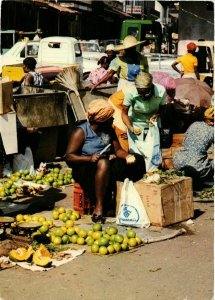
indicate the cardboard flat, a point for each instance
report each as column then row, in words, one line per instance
column 165, row 204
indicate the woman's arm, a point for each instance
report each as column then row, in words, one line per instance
column 75, row 143
column 104, row 79
column 126, row 118
column 176, row 69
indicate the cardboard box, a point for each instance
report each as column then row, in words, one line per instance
column 6, row 96
column 165, row 204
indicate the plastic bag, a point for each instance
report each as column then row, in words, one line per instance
column 131, row 209
column 23, row 162
column 150, row 148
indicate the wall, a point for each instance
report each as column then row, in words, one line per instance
column 196, row 20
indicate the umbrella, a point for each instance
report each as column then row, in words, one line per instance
column 198, row 92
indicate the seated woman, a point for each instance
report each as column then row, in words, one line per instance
column 193, row 159
column 94, row 169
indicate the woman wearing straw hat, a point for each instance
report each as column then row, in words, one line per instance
column 90, row 154
column 127, row 66
column 193, row 158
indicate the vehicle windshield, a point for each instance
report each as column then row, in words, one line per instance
column 89, row 47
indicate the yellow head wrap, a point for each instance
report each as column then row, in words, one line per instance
column 143, row 81
column 99, row 110
column 209, row 113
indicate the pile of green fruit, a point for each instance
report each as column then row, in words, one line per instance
column 101, row 241
column 54, row 177
column 7, row 188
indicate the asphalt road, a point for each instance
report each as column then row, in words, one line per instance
column 181, row 268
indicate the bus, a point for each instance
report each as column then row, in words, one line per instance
column 148, row 30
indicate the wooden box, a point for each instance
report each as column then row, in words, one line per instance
column 6, row 97
column 165, row 204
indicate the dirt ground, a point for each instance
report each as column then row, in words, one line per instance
column 181, row 268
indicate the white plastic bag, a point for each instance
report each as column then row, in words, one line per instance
column 150, row 148
column 23, row 162
column 131, row 209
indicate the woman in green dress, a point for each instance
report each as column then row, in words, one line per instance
column 142, row 105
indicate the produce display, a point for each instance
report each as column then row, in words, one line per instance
column 17, row 184
column 99, row 239
column 161, row 177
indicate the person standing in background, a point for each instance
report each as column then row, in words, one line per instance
column 128, row 66
column 189, row 63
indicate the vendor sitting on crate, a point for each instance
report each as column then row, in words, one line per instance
column 97, row 159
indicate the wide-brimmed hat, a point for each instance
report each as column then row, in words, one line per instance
column 128, row 42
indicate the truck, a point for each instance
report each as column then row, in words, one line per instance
column 148, row 30
column 52, row 55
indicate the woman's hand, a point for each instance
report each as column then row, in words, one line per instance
column 95, row 157
column 153, row 119
column 124, row 136
column 130, row 159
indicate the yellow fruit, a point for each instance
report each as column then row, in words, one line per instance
column 19, row 218
column 55, row 215
column 35, row 218
column 132, row 242
column 97, row 235
column 103, row 241
column 110, row 249
column 103, row 250
column 74, row 238
column 139, row 240
column 97, row 227
column 77, row 214
column 82, row 233
column 124, row 246
column 95, row 248
column 125, row 240
column 117, row 247
column 46, row 223
column 70, row 231
column 61, row 216
column 58, row 232
column 42, row 219
column 69, row 223
column 50, row 222
column 26, row 217
column 90, row 232
column 64, row 228
column 119, row 238
column 73, row 218
column 112, row 230
column 90, row 241
column 80, row 241
column 61, row 210
column 131, row 233
column 44, row 229
column 77, row 228
column 57, row 240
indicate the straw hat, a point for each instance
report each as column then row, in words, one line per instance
column 128, row 42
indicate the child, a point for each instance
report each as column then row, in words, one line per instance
column 96, row 75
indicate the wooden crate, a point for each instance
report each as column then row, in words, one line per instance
column 165, row 204
column 6, row 97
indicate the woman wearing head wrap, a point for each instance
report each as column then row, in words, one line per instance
column 141, row 106
column 89, row 151
column 189, row 63
column 193, row 158
column 127, row 66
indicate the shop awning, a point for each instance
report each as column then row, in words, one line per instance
column 56, row 6
column 119, row 12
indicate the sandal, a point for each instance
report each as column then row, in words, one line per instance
column 98, row 218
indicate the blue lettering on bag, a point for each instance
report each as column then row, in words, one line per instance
column 128, row 213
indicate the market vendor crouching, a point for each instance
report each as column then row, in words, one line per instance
column 96, row 171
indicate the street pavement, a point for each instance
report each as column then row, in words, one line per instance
column 181, row 268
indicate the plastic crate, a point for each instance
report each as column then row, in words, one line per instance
column 81, row 202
